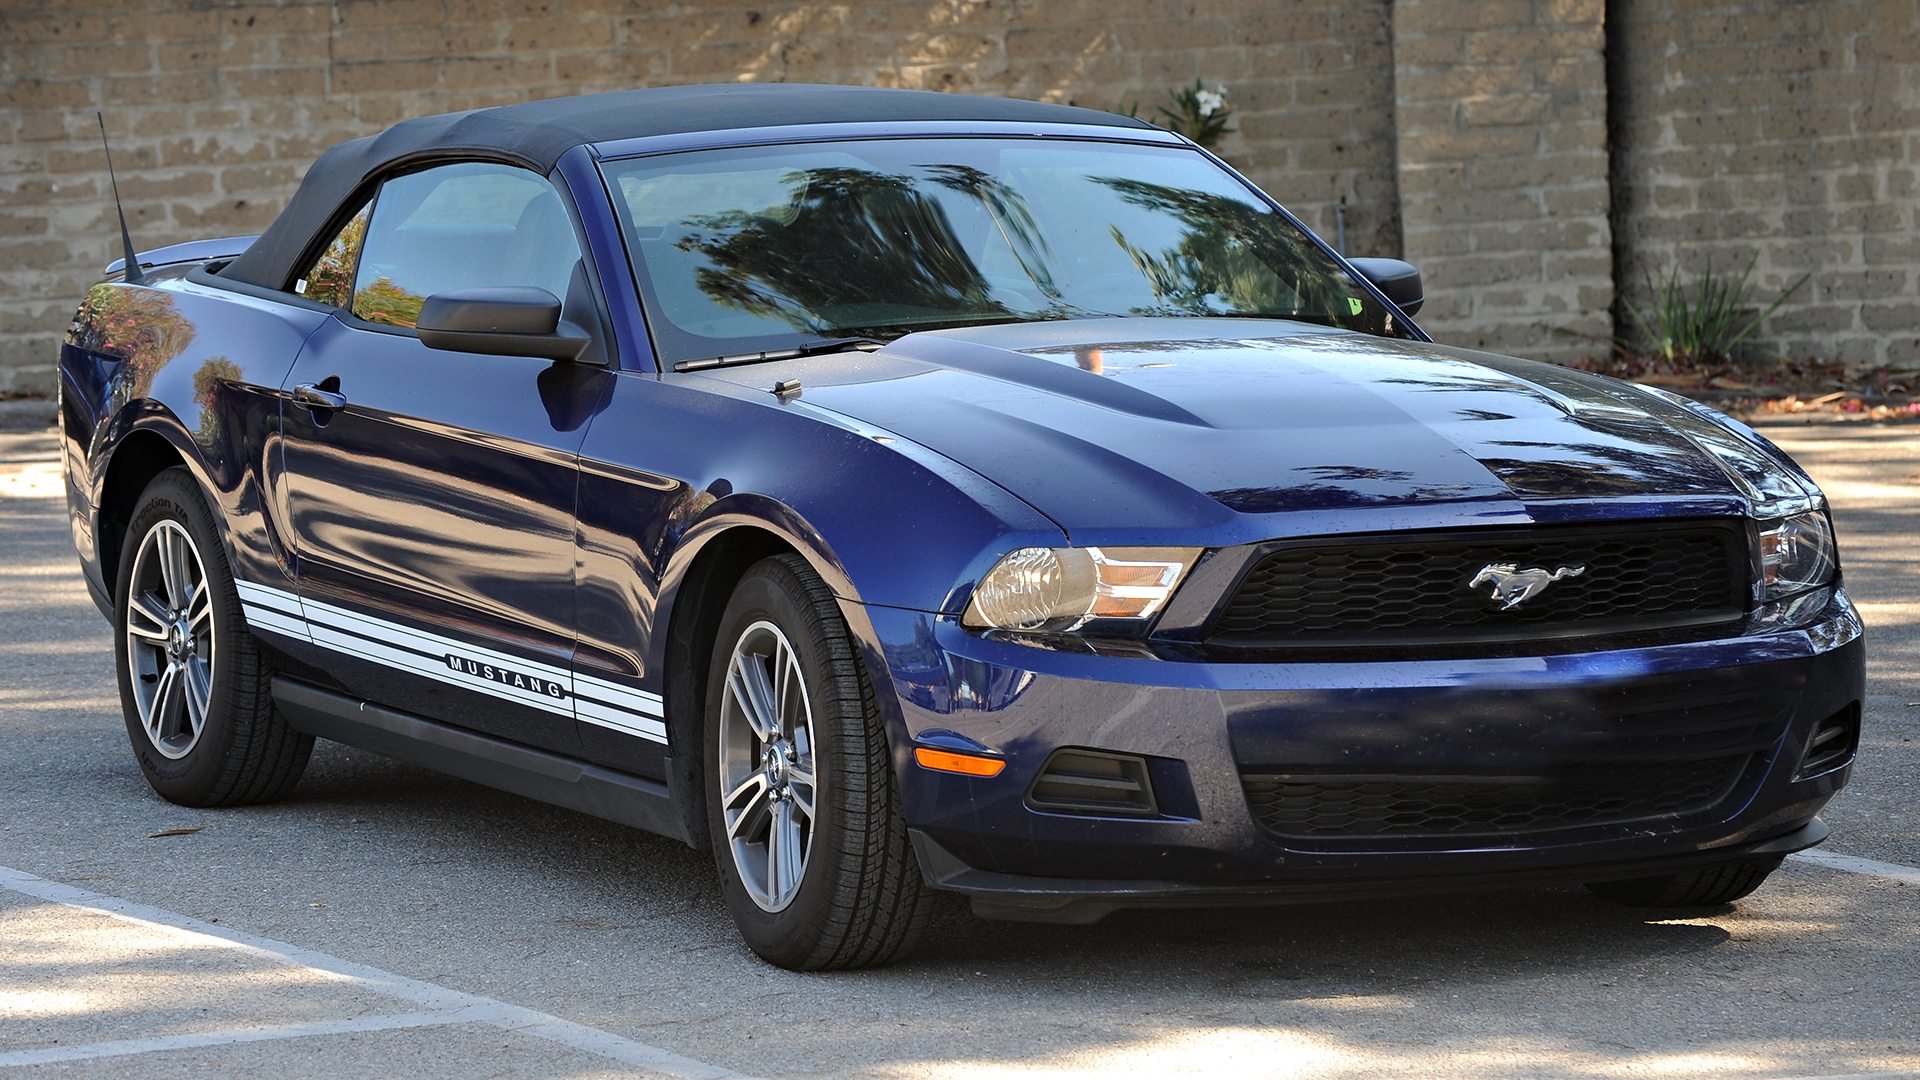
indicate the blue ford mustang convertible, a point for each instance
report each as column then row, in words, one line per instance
column 899, row 492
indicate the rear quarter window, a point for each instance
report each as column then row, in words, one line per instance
column 330, row 279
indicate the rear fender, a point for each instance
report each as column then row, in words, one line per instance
column 180, row 370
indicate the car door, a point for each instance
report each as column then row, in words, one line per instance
column 431, row 493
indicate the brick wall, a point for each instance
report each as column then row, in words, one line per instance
column 216, row 109
column 1502, row 123
column 1787, row 132
column 1785, row 129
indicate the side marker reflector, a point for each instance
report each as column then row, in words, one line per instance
column 965, row 764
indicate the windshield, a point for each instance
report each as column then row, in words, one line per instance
column 767, row 248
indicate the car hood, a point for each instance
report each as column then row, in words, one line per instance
column 1131, row 429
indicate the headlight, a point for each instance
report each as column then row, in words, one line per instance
column 1066, row 588
column 1796, row 554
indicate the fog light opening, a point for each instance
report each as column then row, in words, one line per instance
column 1832, row 743
column 1094, row 782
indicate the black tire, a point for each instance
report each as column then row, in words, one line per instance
column 859, row 899
column 1708, row 887
column 242, row 751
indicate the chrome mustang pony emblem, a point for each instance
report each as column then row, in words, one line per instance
column 1513, row 586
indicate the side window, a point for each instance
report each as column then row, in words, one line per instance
column 461, row 227
column 330, row 279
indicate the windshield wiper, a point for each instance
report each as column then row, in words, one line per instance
column 811, row 348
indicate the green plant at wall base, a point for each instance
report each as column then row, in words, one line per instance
column 1198, row 113
column 1701, row 324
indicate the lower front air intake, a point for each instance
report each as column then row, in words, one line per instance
column 1094, row 782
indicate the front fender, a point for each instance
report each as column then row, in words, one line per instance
column 751, row 526
column 749, row 510
column 675, row 461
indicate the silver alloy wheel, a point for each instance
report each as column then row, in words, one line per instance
column 767, row 766
column 170, row 639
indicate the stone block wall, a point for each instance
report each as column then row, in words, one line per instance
column 216, row 109
column 1500, row 109
column 1531, row 155
column 1785, row 134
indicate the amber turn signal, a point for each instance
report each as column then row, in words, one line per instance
column 966, row 764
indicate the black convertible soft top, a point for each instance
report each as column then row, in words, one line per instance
column 537, row 133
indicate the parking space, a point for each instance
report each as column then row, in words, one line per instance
column 385, row 920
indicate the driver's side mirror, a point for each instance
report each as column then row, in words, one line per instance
column 1399, row 280
column 508, row 320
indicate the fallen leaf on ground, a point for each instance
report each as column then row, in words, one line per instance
column 176, row 832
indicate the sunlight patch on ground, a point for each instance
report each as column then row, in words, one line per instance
column 44, row 1002
column 1693, row 1065
column 1878, row 613
column 1215, row 1052
column 1356, row 1002
column 1284, row 1054
column 34, row 480
column 50, row 577
column 1843, row 491
column 87, row 646
column 39, row 698
column 64, row 970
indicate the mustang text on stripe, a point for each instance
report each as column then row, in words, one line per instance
column 507, row 677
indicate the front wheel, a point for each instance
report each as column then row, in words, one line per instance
column 193, row 686
column 801, row 801
column 1707, row 887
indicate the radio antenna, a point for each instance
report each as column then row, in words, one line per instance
column 132, row 276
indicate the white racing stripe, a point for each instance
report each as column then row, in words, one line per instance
column 607, row 704
column 268, row 619
column 614, row 694
column 272, row 609
column 446, row 1006
column 627, row 723
column 426, row 655
column 267, row 596
column 456, row 663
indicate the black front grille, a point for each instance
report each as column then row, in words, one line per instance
column 1655, row 748
column 1416, row 590
column 1354, row 807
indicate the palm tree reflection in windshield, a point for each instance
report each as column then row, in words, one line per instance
column 1232, row 259
column 856, row 250
column 859, row 251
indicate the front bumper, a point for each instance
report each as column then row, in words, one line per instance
column 1204, row 725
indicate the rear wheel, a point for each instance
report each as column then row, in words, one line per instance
column 1708, row 887
column 193, row 686
column 801, row 801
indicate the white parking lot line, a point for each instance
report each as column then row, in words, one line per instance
column 447, row 1006
column 1867, row 1076
column 1853, row 864
column 232, row 1036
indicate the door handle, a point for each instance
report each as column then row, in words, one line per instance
column 309, row 396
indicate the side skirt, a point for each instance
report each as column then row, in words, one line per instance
column 483, row 759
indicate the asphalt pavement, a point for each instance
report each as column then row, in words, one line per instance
column 384, row 920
